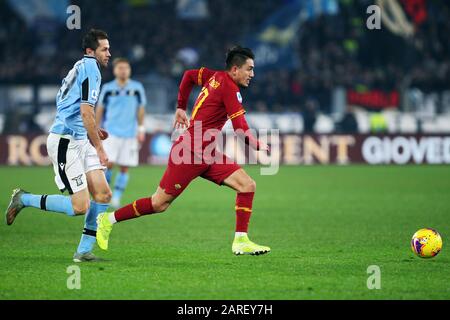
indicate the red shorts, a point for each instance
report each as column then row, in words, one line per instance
column 178, row 175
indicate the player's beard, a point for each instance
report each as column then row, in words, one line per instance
column 102, row 63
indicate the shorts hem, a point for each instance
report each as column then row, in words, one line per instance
column 126, row 164
column 230, row 173
column 72, row 190
column 173, row 194
column 99, row 167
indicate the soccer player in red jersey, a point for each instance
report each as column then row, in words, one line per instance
column 194, row 153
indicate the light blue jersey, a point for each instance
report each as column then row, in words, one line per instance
column 121, row 106
column 81, row 85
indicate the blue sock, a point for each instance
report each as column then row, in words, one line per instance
column 120, row 184
column 54, row 202
column 108, row 175
column 90, row 227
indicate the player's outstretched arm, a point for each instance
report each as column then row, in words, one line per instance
column 241, row 128
column 88, row 116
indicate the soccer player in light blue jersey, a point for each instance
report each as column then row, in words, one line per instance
column 121, row 108
column 75, row 147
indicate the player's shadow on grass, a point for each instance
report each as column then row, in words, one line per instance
column 49, row 260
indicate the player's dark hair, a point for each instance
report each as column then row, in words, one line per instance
column 90, row 40
column 118, row 60
column 237, row 56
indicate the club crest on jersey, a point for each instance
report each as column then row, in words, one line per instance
column 239, row 97
column 78, row 180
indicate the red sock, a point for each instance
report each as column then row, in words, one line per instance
column 134, row 210
column 244, row 201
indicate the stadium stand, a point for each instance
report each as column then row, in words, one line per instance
column 341, row 62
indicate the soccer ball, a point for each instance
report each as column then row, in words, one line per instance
column 426, row 243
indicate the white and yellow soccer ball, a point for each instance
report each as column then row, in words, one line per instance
column 426, row 243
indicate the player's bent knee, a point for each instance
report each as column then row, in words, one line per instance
column 107, row 196
column 251, row 186
column 103, row 197
column 160, row 206
column 80, row 208
column 248, row 186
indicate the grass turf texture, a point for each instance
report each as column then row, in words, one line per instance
column 325, row 226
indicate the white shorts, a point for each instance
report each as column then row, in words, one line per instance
column 71, row 159
column 122, row 151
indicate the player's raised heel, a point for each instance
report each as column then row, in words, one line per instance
column 104, row 228
column 15, row 205
column 242, row 245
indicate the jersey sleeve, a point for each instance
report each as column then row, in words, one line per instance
column 233, row 102
column 235, row 111
column 142, row 99
column 204, row 74
column 191, row 78
column 240, row 126
column 90, row 84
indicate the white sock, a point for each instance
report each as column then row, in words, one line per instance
column 112, row 218
column 240, row 234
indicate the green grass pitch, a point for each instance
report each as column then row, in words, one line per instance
column 325, row 225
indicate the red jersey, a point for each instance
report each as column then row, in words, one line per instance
column 218, row 101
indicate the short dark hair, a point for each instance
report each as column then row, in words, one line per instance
column 237, row 56
column 90, row 40
column 118, row 60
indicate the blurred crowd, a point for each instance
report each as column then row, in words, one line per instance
column 340, row 51
column 334, row 50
